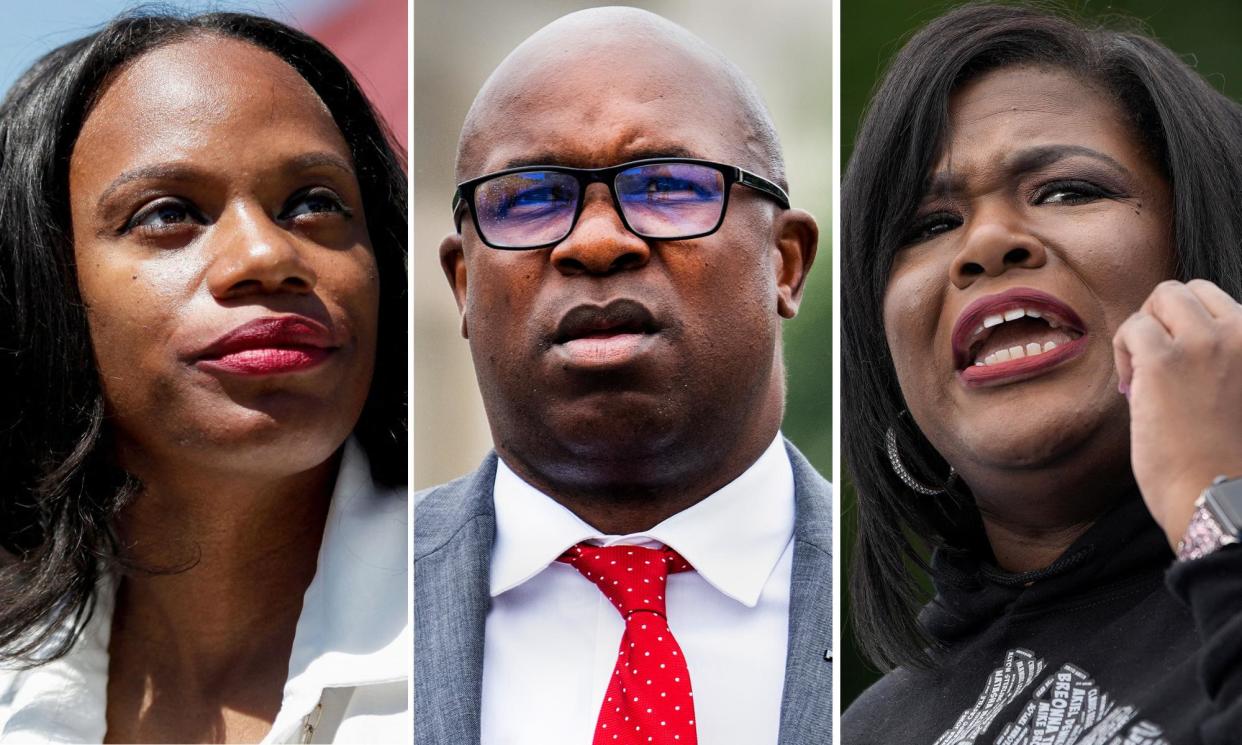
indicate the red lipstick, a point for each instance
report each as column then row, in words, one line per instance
column 269, row 346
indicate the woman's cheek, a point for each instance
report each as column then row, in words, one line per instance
column 911, row 309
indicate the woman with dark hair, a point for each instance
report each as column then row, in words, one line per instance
column 1043, row 386
column 203, row 434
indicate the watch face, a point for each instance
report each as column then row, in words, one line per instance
column 1225, row 502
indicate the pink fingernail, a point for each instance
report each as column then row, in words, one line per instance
column 1124, row 389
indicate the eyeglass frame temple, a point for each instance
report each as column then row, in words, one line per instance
column 759, row 183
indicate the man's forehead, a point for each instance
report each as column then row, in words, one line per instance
column 604, row 98
column 591, row 148
column 517, row 156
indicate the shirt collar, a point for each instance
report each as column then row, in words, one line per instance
column 354, row 628
column 733, row 538
column 66, row 699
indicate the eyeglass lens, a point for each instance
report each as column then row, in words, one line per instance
column 526, row 209
column 659, row 200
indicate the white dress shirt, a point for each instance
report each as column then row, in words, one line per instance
column 349, row 666
column 552, row 637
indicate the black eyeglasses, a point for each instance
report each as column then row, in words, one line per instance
column 657, row 198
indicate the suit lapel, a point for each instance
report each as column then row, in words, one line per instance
column 454, row 528
column 806, row 705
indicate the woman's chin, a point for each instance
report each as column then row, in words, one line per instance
column 235, row 441
column 1038, row 433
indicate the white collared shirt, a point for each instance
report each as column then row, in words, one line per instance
column 351, row 650
column 552, row 637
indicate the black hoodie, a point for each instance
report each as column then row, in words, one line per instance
column 1107, row 646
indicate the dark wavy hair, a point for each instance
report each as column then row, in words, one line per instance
column 1193, row 132
column 60, row 488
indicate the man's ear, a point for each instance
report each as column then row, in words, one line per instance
column 453, row 262
column 796, row 238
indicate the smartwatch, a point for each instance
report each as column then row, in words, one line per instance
column 1216, row 522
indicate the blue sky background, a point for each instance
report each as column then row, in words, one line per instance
column 29, row 29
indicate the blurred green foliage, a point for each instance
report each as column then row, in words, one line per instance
column 1206, row 33
column 808, row 360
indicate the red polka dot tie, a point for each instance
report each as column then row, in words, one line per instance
column 649, row 699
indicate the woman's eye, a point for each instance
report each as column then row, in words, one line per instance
column 929, row 226
column 312, row 202
column 161, row 215
column 1069, row 192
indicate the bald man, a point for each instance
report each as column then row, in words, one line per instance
column 644, row 558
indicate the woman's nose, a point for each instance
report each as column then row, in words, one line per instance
column 254, row 254
column 995, row 240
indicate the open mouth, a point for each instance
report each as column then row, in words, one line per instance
column 1015, row 335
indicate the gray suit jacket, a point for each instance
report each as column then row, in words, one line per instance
column 454, row 528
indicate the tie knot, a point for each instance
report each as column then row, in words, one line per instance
column 632, row 577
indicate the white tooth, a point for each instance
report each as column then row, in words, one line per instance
column 977, row 331
column 991, row 321
column 1034, row 313
column 980, row 364
column 1053, row 324
column 1033, row 348
column 1015, row 314
column 1016, row 353
column 990, row 359
column 1049, row 346
column 1002, row 355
